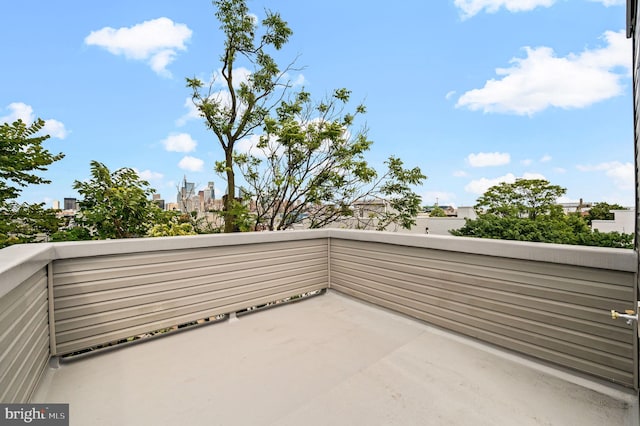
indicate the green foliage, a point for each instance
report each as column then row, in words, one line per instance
column 21, row 155
column 117, row 205
column 76, row 233
column 607, row 239
column 396, row 188
column 534, row 217
column 523, row 198
column 310, row 165
column 543, row 229
column 26, row 223
column 237, row 115
column 438, row 212
column 602, row 211
column 171, row 229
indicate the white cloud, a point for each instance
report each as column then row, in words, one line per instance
column 191, row 164
column 622, row 174
column 480, row 186
column 560, row 170
column 149, row 175
column 460, row 173
column 191, row 114
column 487, row 159
column 526, row 162
column 19, row 111
column 545, row 158
column 24, row 112
column 55, row 129
column 543, row 80
column 298, row 81
column 156, row 41
column 470, row 8
column 179, row 142
column 529, row 175
column 449, row 94
column 248, row 145
column 608, row 3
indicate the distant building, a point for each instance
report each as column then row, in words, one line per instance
column 187, row 199
column 623, row 222
column 577, row 207
column 70, row 204
column 450, row 211
column 209, row 192
column 56, row 204
column 366, row 208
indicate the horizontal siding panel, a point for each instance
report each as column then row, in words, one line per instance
column 117, row 320
column 24, row 338
column 592, row 281
column 562, row 316
column 117, row 334
column 251, row 268
column 75, row 265
column 598, row 295
column 180, row 286
column 99, row 300
column 112, row 310
column 567, row 313
column 550, row 269
column 74, row 270
column 556, row 312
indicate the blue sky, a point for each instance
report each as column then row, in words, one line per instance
column 474, row 92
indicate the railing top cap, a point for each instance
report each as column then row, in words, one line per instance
column 20, row 261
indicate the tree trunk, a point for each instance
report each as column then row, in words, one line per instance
column 229, row 216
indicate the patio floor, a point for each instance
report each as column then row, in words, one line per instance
column 329, row 360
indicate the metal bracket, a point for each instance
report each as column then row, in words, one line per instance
column 629, row 315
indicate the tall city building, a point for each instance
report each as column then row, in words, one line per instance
column 157, row 199
column 70, row 204
column 210, row 192
column 187, row 199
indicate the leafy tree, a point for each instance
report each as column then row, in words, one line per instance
column 523, row 198
column 607, row 239
column 309, row 165
column 242, row 106
column 602, row 211
column 438, row 212
column 76, row 233
column 26, row 223
column 534, row 217
column 171, row 229
column 22, row 155
column 117, row 204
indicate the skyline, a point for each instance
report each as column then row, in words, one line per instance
column 474, row 92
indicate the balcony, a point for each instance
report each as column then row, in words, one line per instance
column 407, row 330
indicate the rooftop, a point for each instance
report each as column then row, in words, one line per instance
column 408, row 330
column 326, row 360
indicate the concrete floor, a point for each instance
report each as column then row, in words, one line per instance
column 329, row 360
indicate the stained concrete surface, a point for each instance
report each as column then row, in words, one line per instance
column 329, row 360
